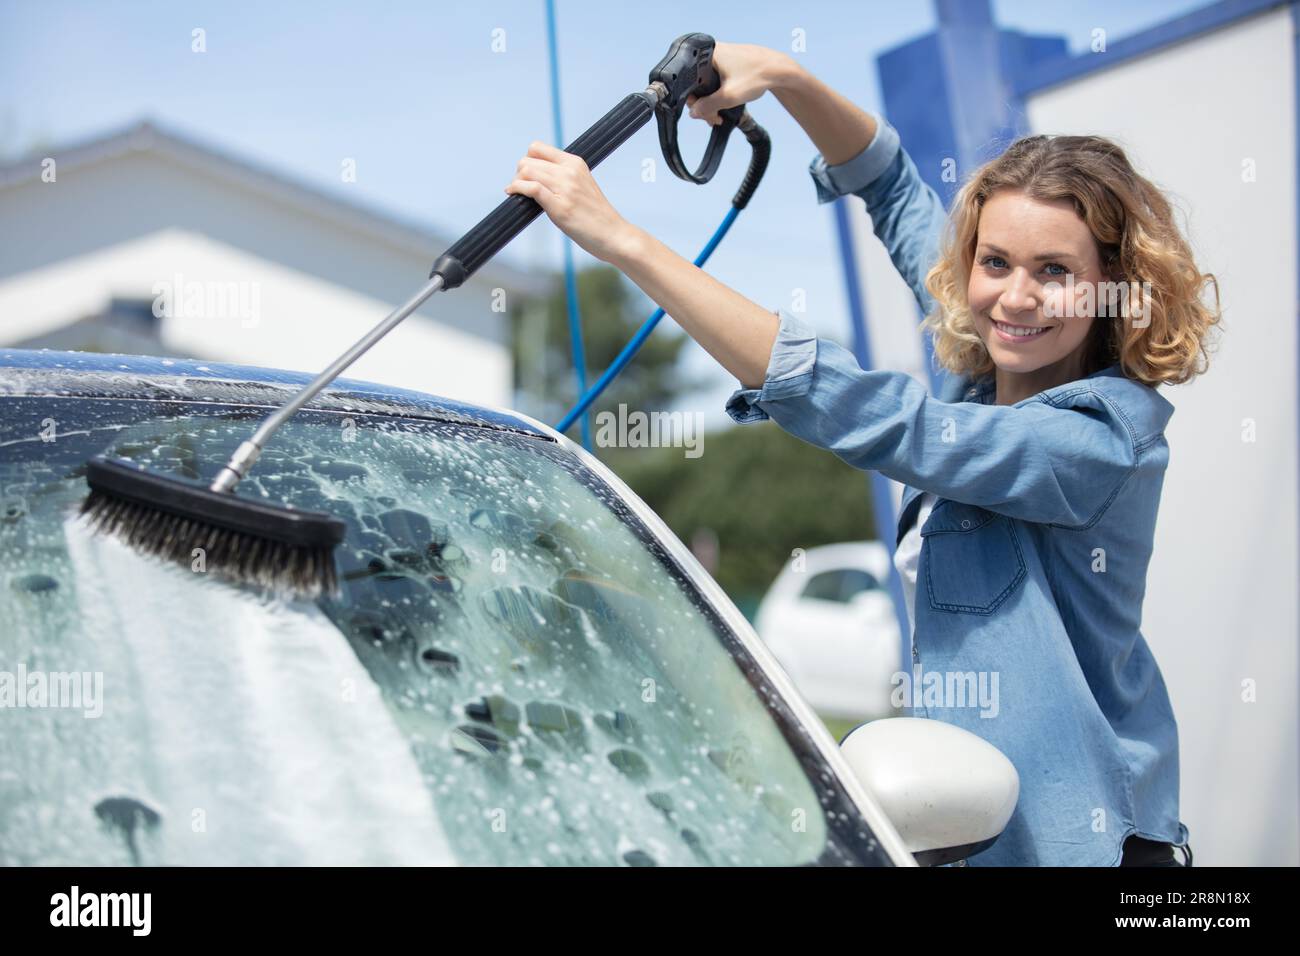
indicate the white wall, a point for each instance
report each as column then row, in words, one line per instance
column 120, row 225
column 1221, row 605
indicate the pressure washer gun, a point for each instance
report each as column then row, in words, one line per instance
column 687, row 69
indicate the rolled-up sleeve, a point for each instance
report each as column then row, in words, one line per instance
column 789, row 371
column 831, row 182
column 906, row 213
column 1049, row 459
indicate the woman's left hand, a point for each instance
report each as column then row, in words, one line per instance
column 563, row 186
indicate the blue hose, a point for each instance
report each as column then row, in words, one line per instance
column 643, row 333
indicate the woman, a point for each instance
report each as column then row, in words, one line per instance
column 1032, row 483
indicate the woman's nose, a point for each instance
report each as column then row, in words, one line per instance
column 1021, row 293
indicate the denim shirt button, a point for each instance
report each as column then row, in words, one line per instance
column 916, row 655
column 965, row 522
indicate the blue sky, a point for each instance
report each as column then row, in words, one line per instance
column 436, row 120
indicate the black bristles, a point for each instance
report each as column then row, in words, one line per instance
column 305, row 569
column 237, row 556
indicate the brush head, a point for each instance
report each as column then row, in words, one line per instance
column 246, row 541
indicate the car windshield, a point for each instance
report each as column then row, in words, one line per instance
column 514, row 671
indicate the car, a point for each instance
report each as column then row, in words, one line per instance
column 829, row 619
column 522, row 664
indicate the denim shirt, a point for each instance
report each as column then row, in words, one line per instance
column 1033, row 560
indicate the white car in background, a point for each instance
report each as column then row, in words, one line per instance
column 829, row 619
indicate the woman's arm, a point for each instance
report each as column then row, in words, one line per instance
column 736, row 331
column 839, row 128
column 860, row 154
column 906, row 214
column 1059, row 457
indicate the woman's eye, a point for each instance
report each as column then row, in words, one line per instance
column 1056, row 265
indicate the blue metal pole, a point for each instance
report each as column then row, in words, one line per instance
column 570, row 278
column 882, row 502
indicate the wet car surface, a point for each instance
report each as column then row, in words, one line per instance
column 518, row 669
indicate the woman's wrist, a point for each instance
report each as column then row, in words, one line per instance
column 839, row 128
column 626, row 245
column 785, row 73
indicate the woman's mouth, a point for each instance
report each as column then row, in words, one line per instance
column 1019, row 333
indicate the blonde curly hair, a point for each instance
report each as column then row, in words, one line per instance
column 1138, row 241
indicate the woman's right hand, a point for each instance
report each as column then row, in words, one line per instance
column 747, row 72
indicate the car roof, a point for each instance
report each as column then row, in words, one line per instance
column 47, row 373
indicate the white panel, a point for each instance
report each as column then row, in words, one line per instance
column 1222, row 588
column 281, row 317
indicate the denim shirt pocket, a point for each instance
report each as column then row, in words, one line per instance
column 973, row 561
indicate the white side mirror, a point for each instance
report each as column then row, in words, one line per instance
column 948, row 792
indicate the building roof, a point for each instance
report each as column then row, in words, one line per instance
column 147, row 136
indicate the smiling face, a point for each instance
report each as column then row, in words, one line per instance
column 1025, row 251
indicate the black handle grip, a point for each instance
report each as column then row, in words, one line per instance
column 688, row 69
column 502, row 224
column 761, row 153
